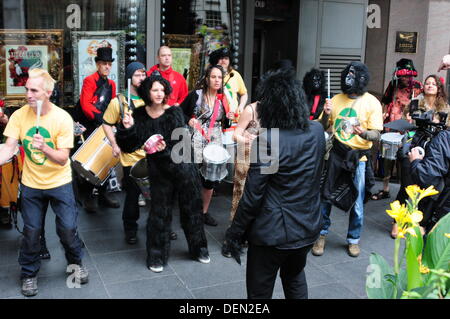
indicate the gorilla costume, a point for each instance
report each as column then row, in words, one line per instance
column 167, row 177
column 314, row 86
column 355, row 78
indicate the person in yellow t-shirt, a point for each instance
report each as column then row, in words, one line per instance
column 112, row 116
column 356, row 120
column 234, row 86
column 46, row 177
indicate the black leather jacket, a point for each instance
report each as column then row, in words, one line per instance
column 282, row 207
column 434, row 168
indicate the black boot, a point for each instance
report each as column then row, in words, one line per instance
column 209, row 220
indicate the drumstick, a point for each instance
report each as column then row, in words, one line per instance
column 328, row 83
column 129, row 98
column 39, row 108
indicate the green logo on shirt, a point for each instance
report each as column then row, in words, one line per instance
column 339, row 124
column 36, row 156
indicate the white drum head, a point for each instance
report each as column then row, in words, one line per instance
column 215, row 154
column 392, row 137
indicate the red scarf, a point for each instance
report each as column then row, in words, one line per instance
column 315, row 105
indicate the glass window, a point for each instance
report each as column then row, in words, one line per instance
column 79, row 15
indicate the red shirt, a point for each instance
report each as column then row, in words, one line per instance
column 176, row 80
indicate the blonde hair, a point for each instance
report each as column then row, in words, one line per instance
column 49, row 82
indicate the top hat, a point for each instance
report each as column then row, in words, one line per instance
column 405, row 67
column 218, row 54
column 104, row 54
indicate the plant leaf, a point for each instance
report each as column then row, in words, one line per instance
column 437, row 248
column 378, row 284
column 412, row 265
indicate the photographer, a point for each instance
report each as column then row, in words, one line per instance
column 433, row 169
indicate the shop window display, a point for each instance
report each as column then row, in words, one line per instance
column 65, row 17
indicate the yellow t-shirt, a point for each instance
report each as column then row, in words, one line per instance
column 234, row 86
column 57, row 129
column 367, row 109
column 112, row 117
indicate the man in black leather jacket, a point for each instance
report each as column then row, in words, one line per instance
column 279, row 213
column 433, row 168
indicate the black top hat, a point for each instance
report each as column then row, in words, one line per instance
column 218, row 54
column 104, row 54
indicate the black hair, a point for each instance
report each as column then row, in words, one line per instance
column 147, row 84
column 282, row 102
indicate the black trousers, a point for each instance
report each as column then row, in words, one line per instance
column 263, row 263
column 130, row 213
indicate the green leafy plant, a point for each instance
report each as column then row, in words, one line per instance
column 426, row 274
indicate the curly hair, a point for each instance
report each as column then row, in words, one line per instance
column 308, row 80
column 441, row 97
column 361, row 81
column 282, row 102
column 147, row 84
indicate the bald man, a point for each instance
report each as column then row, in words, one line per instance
column 176, row 80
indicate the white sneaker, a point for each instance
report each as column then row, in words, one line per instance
column 204, row 256
column 156, row 268
column 141, row 201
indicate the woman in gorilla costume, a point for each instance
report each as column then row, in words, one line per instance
column 165, row 175
column 314, row 86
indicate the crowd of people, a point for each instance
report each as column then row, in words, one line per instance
column 298, row 153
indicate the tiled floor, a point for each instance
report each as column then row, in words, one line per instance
column 118, row 270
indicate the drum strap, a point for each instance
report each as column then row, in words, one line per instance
column 315, row 105
column 119, row 98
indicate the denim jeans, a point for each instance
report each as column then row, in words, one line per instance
column 356, row 216
column 34, row 202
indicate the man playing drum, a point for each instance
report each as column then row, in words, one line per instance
column 113, row 115
column 47, row 177
column 95, row 96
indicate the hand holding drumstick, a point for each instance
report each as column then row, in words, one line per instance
column 128, row 120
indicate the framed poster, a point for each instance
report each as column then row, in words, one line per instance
column 406, row 42
column 24, row 50
column 85, row 45
column 186, row 48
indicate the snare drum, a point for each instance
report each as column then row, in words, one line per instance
column 231, row 147
column 390, row 143
column 10, row 173
column 215, row 158
column 94, row 160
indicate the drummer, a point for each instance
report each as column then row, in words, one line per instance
column 234, row 87
column 135, row 71
column 209, row 113
column 46, row 177
column 395, row 101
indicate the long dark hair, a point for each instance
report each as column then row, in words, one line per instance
column 147, row 84
column 203, row 83
column 282, row 102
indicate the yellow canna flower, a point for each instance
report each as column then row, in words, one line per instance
column 416, row 217
column 430, row 191
column 447, row 235
column 401, row 232
column 412, row 191
column 397, row 211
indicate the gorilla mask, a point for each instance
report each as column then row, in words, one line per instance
column 354, row 79
column 314, row 82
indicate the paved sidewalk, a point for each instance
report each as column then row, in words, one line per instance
column 118, row 270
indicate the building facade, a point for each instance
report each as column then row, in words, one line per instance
column 325, row 34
